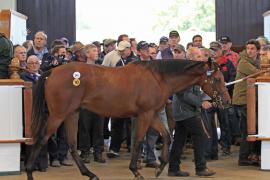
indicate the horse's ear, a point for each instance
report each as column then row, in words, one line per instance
column 210, row 64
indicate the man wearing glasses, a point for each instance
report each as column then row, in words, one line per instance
column 32, row 72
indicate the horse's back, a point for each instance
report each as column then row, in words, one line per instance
column 105, row 90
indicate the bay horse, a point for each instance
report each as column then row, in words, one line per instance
column 139, row 89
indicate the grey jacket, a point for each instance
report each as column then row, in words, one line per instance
column 186, row 104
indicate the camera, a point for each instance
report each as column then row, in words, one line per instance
column 62, row 59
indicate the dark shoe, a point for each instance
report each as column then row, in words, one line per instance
column 55, row 163
column 85, row 156
column 211, row 158
column 214, row 157
column 66, row 162
column 205, row 172
column 178, row 173
column 42, row 169
column 245, row 162
column 112, row 154
column 98, row 158
column 151, row 165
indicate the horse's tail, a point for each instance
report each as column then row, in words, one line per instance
column 39, row 109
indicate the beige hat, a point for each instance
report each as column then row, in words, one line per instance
column 123, row 45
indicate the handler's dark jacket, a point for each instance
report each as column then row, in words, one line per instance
column 187, row 103
column 6, row 53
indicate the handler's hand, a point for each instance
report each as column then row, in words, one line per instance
column 206, row 105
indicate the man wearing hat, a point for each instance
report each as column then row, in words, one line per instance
column 179, row 52
column 226, row 48
column 118, row 57
column 228, row 70
column 163, row 43
column 65, row 41
column 167, row 53
column 112, row 58
column 108, row 46
column 174, row 39
column 143, row 51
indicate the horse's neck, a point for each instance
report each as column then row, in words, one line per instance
column 176, row 83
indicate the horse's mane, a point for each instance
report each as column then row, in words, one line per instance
column 170, row 66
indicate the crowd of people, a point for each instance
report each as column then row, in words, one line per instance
column 189, row 115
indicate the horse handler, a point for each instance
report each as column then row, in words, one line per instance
column 186, row 112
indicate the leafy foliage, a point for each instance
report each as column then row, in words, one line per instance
column 185, row 14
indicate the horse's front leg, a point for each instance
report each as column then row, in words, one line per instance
column 142, row 124
column 164, row 156
column 136, row 152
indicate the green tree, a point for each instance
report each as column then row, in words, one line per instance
column 186, row 14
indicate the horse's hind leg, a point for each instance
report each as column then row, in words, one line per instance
column 71, row 125
column 143, row 123
column 159, row 126
column 36, row 148
column 52, row 126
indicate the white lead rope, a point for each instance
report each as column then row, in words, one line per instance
column 249, row 76
column 234, row 82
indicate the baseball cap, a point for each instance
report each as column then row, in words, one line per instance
column 142, row 45
column 174, row 33
column 65, row 39
column 163, row 39
column 108, row 42
column 96, row 43
column 224, row 39
column 123, row 45
column 180, row 48
column 215, row 45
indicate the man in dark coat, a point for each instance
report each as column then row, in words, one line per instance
column 186, row 112
column 6, row 52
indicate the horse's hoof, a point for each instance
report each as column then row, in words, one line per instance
column 158, row 171
column 140, row 178
column 94, row 178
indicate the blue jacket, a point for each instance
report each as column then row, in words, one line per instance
column 167, row 53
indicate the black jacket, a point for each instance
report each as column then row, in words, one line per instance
column 187, row 103
column 6, row 53
column 27, row 76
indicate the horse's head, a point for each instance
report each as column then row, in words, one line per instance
column 214, row 85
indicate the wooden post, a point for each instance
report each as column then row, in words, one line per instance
column 27, row 92
column 251, row 107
